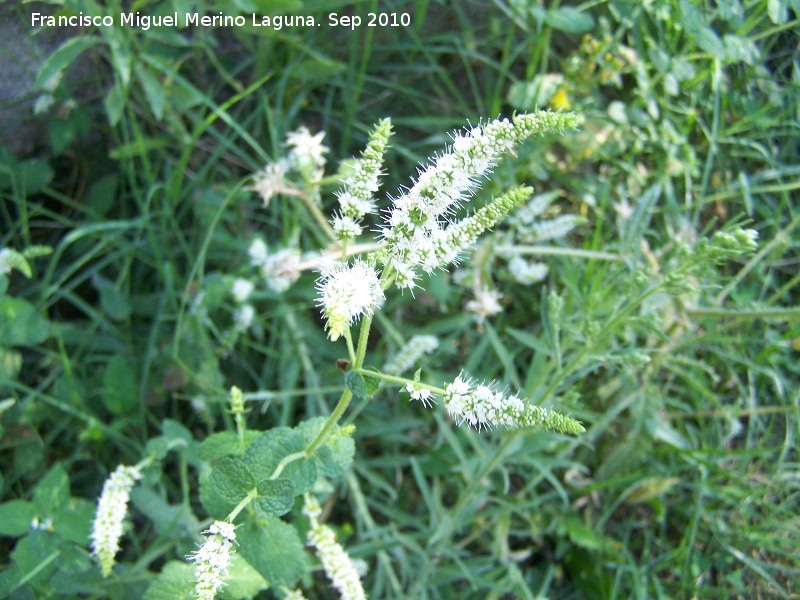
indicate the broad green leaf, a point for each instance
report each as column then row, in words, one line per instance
column 114, row 303
column 33, row 175
column 243, row 580
column 120, row 393
column 73, row 519
column 21, row 324
column 153, row 90
column 175, row 582
column 63, row 57
column 16, row 517
column 362, row 387
column 275, row 496
column 270, row 448
column 37, row 555
column 336, row 456
column 114, row 103
column 181, row 439
column 273, row 548
column 173, row 521
column 52, row 491
column 102, row 194
column 569, row 19
column 225, row 443
column 226, row 486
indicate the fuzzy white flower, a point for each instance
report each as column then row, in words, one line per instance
column 346, row 292
column 409, row 354
column 258, row 252
column 213, row 559
column 420, row 393
column 307, row 153
column 243, row 317
column 281, row 269
column 111, row 508
column 334, row 558
column 241, row 289
column 345, row 227
column 526, row 272
column 481, row 406
column 269, row 181
column 417, row 230
column 485, row 304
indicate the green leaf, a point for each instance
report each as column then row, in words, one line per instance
column 336, row 456
column 275, row 496
column 16, row 517
column 362, row 387
column 243, row 580
column 64, row 57
column 119, row 387
column 225, row 443
column 273, row 548
column 114, row 303
column 270, row 448
column 37, row 555
column 21, row 324
column 173, row 521
column 73, row 519
column 153, row 90
column 52, row 491
column 175, row 582
column 114, row 103
column 569, row 19
column 226, row 486
column 181, row 438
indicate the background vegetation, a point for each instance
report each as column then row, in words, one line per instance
column 687, row 482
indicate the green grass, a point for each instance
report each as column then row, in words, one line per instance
column 685, row 483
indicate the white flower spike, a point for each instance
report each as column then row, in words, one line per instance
column 346, row 292
column 111, row 509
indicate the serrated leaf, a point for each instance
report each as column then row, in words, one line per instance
column 21, row 324
column 273, row 548
column 175, row 582
column 16, row 517
column 275, row 496
column 270, row 448
column 120, row 394
column 225, row 443
column 52, row 491
column 63, row 57
column 226, row 486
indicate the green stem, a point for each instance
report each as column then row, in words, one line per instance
column 240, row 507
column 400, row 380
column 554, row 251
column 318, row 216
column 347, row 395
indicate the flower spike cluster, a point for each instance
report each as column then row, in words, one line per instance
column 481, row 406
column 337, row 563
column 417, row 231
column 346, row 292
column 213, row 559
column 356, row 196
column 111, row 509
